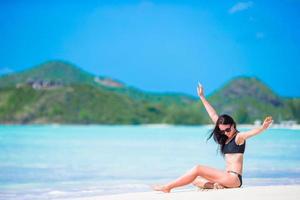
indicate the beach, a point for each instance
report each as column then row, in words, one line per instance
column 290, row 192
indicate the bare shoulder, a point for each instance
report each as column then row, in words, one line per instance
column 239, row 139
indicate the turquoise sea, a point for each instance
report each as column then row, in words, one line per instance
column 62, row 162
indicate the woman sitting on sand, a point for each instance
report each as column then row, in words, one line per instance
column 232, row 146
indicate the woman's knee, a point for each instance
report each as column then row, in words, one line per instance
column 198, row 169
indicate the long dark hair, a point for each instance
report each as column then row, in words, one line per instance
column 218, row 136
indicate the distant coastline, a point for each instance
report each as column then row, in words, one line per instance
column 209, row 126
column 244, row 126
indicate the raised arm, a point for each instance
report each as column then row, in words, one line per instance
column 210, row 110
column 241, row 137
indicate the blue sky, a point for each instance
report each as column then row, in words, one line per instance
column 162, row 46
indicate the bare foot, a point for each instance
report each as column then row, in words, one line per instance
column 161, row 188
column 203, row 183
column 218, row 186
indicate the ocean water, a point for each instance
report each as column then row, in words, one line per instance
column 63, row 162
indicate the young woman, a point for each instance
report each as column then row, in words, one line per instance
column 232, row 146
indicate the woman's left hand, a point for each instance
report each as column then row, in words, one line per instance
column 267, row 122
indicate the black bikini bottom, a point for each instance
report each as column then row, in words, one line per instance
column 239, row 176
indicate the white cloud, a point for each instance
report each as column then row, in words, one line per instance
column 240, row 6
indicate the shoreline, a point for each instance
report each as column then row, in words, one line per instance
column 244, row 126
column 286, row 192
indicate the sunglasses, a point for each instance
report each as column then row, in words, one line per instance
column 226, row 130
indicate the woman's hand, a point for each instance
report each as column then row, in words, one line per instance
column 200, row 90
column 267, row 122
column 210, row 110
column 247, row 134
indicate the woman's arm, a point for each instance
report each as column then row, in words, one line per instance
column 241, row 137
column 210, row 110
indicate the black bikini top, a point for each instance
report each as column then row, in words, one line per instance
column 232, row 147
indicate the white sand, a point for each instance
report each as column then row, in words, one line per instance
column 288, row 192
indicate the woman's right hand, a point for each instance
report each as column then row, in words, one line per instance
column 200, row 90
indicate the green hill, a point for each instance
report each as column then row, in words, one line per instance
column 57, row 71
column 60, row 92
column 86, row 104
column 248, row 99
column 65, row 73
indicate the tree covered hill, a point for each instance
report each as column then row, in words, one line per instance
column 60, row 92
column 248, row 99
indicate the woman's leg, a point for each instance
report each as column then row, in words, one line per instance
column 211, row 174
